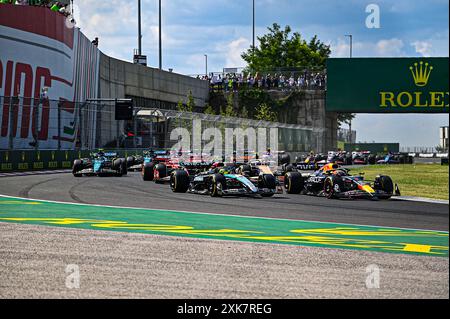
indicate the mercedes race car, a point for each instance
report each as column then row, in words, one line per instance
column 100, row 164
column 227, row 180
column 333, row 181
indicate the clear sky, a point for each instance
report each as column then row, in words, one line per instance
column 222, row 29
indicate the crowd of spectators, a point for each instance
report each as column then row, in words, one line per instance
column 283, row 82
column 52, row 5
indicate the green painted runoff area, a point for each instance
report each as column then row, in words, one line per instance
column 223, row 227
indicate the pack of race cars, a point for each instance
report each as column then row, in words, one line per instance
column 247, row 175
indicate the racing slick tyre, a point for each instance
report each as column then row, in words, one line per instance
column 284, row 159
column 124, row 167
column 179, row 181
column 117, row 166
column 385, row 184
column 372, row 160
column 216, row 182
column 333, row 185
column 294, row 182
column 348, row 159
column 130, row 161
column 160, row 172
column 148, row 172
column 267, row 181
column 246, row 170
column 77, row 167
column 288, row 168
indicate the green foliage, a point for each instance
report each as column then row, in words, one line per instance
column 252, row 98
column 229, row 109
column 244, row 112
column 345, row 118
column 281, row 49
column 180, row 106
column 209, row 110
column 265, row 113
column 190, row 106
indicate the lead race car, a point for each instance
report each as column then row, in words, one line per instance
column 227, row 180
column 100, row 164
column 333, row 181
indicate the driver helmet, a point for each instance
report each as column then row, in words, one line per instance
column 224, row 171
column 339, row 173
column 330, row 167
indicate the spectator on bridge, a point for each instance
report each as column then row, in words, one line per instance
column 269, row 82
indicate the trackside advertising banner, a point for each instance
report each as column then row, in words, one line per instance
column 39, row 48
column 388, row 85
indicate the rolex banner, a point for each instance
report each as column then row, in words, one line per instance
column 388, row 85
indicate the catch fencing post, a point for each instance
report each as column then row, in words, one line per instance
column 11, row 122
column 117, row 130
column 59, row 125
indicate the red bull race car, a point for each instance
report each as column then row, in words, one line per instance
column 333, row 181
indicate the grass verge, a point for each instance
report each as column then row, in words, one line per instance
column 420, row 180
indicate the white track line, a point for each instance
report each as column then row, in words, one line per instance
column 220, row 215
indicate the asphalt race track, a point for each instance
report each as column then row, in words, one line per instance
column 34, row 257
column 132, row 191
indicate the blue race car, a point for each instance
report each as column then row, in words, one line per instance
column 136, row 162
column 389, row 159
column 100, row 164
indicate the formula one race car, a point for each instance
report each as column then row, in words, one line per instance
column 363, row 158
column 159, row 165
column 340, row 158
column 333, row 181
column 396, row 158
column 135, row 162
column 308, row 163
column 227, row 180
column 100, row 164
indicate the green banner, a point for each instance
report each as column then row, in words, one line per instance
column 388, row 85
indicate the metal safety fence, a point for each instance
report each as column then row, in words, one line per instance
column 42, row 124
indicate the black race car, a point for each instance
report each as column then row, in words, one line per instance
column 306, row 163
column 226, row 180
column 100, row 164
column 363, row 158
column 332, row 181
